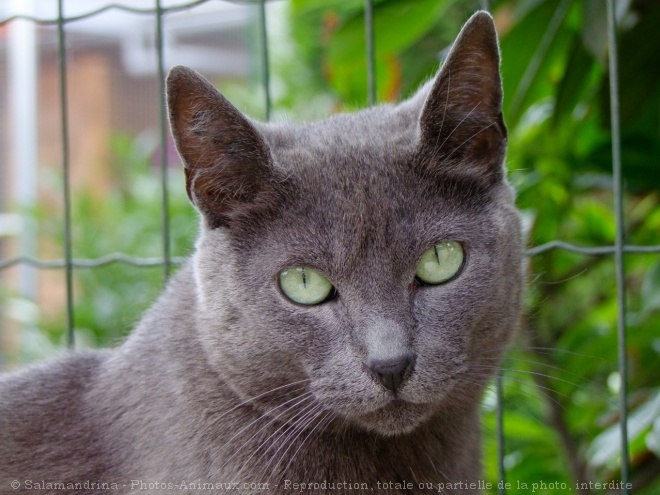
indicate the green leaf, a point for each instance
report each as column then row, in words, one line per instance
column 653, row 438
column 397, row 25
column 577, row 73
column 651, row 291
column 639, row 70
column 606, row 447
column 640, row 155
column 525, row 65
column 594, row 28
column 306, row 7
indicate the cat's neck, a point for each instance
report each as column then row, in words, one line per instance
column 441, row 451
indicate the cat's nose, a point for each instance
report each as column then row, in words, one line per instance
column 391, row 372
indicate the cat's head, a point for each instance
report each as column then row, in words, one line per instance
column 370, row 263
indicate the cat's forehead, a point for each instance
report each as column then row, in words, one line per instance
column 369, row 158
column 370, row 137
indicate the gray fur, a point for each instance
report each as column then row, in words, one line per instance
column 226, row 380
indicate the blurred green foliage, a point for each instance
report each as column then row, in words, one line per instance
column 560, row 377
column 125, row 219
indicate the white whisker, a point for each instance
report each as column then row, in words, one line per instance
column 266, row 414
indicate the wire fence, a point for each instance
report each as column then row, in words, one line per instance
column 69, row 263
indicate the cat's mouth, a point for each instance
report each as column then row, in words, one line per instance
column 369, row 405
column 397, row 417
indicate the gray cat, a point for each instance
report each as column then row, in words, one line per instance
column 354, row 285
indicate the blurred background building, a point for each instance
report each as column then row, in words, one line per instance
column 111, row 70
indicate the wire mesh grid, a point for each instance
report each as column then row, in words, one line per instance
column 167, row 260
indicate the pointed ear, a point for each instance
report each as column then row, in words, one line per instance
column 461, row 127
column 227, row 162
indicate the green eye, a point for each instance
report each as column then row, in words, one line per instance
column 305, row 285
column 440, row 263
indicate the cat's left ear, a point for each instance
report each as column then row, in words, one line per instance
column 462, row 131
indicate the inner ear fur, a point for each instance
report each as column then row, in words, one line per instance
column 461, row 126
column 228, row 165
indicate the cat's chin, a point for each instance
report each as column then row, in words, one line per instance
column 396, row 418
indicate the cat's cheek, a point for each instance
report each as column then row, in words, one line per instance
column 448, row 322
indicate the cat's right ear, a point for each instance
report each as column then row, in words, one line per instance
column 227, row 161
